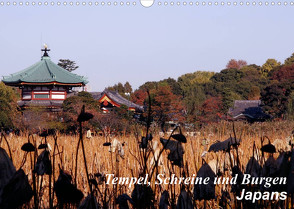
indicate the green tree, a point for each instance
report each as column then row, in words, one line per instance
column 228, row 98
column 150, row 85
column 128, row 88
column 175, row 87
column 193, row 101
column 275, row 99
column 289, row 60
column 268, row 66
column 254, row 93
column 122, row 89
column 199, row 78
column 8, row 107
column 68, row 64
column 72, row 107
column 228, row 76
column 253, row 74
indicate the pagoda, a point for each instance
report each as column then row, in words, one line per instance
column 44, row 84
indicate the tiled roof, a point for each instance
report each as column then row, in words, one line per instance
column 247, row 108
column 96, row 95
column 117, row 98
column 44, row 71
column 40, row 103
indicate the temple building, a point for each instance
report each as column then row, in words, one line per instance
column 109, row 99
column 248, row 110
column 44, row 84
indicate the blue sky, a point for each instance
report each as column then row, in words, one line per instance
column 114, row 44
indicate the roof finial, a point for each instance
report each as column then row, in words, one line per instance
column 45, row 50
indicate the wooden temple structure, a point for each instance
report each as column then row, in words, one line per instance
column 248, row 110
column 44, row 84
column 109, row 99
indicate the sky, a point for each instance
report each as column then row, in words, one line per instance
column 112, row 44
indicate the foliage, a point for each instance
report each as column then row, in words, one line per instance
column 290, row 108
column 236, row 64
column 165, row 105
column 254, row 93
column 285, row 74
column 228, row 76
column 194, row 91
column 128, row 87
column 269, row 65
column 123, row 112
column 139, row 96
column 73, row 105
column 172, row 83
column 228, row 97
column 275, row 99
column 193, row 100
column 106, row 123
column 122, row 89
column 289, row 60
column 35, row 119
column 191, row 79
column 68, row 64
column 8, row 107
column 175, row 86
column 149, row 85
column 211, row 110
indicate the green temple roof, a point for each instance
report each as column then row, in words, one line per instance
column 44, row 71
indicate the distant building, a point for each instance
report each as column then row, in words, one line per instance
column 44, row 84
column 109, row 99
column 249, row 110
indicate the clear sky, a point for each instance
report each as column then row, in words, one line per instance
column 112, row 44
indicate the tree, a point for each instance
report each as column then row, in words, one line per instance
column 36, row 119
column 139, row 97
column 107, row 123
column 211, row 110
column 228, row 97
column 268, row 66
column 254, row 93
column 128, row 88
column 149, row 85
column 285, row 74
column 73, row 105
column 165, row 105
column 175, row 87
column 253, row 74
column 275, row 99
column 8, row 107
column 289, row 60
column 193, row 101
column 199, row 78
column 228, row 76
column 234, row 64
column 121, row 89
column 68, row 65
column 290, row 108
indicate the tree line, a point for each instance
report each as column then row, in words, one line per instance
column 196, row 98
column 203, row 96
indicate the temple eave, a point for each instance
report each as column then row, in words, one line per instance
column 43, row 83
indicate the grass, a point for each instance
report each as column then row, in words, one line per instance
column 101, row 160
